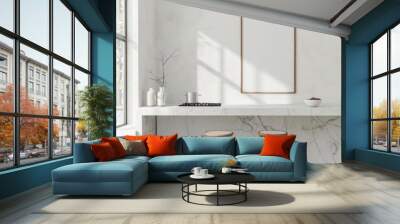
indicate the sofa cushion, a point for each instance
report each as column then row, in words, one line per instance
column 277, row 145
column 136, row 147
column 207, row 145
column 116, row 145
column 83, row 152
column 257, row 163
column 161, row 145
column 249, row 145
column 112, row 171
column 133, row 158
column 185, row 163
column 103, row 152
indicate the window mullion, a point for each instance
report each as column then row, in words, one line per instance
column 16, row 84
column 389, row 101
column 50, row 82
column 73, row 82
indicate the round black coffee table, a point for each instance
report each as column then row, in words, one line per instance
column 238, row 179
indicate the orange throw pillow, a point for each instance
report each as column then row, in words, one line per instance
column 116, row 145
column 136, row 138
column 103, row 152
column 277, row 145
column 161, row 145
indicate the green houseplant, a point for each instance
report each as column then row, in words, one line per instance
column 96, row 103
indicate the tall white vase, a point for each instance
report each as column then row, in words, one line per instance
column 151, row 98
column 161, row 96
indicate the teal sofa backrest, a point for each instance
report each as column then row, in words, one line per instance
column 83, row 153
column 206, row 145
column 249, row 145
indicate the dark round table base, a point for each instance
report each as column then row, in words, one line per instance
column 219, row 193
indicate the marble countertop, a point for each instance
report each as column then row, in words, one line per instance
column 242, row 110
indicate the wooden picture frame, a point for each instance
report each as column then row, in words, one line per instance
column 292, row 79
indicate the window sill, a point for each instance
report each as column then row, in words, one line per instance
column 381, row 159
column 26, row 167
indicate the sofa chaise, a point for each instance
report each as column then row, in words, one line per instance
column 125, row 176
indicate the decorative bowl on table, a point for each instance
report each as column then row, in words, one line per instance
column 313, row 102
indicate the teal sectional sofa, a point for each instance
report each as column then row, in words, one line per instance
column 125, row 176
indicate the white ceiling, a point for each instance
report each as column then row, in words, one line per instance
column 319, row 9
column 314, row 15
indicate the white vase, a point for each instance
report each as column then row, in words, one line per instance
column 151, row 97
column 161, row 97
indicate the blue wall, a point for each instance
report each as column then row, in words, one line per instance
column 99, row 16
column 24, row 178
column 356, row 84
column 103, row 64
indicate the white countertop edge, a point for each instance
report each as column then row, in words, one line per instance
column 242, row 110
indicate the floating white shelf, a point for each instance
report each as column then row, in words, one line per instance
column 242, row 110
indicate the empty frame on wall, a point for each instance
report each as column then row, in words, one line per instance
column 268, row 55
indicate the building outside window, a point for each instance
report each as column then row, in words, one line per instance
column 30, row 72
column 56, row 128
column 385, row 91
column 3, row 72
column 3, row 78
column 43, row 90
column 37, row 75
column 31, row 89
column 44, row 77
column 38, row 89
column 3, row 61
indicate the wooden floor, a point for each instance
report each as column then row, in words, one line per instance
column 379, row 189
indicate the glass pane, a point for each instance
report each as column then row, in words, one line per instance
column 6, row 74
column 395, row 47
column 395, row 95
column 81, row 45
column 379, row 97
column 35, row 21
column 7, row 14
column 62, row 29
column 379, row 135
column 379, row 56
column 120, row 84
column 81, row 131
column 121, row 17
column 62, row 89
column 62, row 138
column 81, row 82
column 34, row 74
column 6, row 142
column 33, row 140
column 395, row 138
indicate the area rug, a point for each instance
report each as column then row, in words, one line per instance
column 166, row 198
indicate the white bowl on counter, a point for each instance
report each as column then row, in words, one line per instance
column 313, row 103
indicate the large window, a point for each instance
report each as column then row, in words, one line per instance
column 44, row 64
column 385, row 91
column 121, row 63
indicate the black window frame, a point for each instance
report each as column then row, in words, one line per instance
column 388, row 74
column 16, row 115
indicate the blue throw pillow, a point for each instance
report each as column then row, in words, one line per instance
column 207, row 145
column 249, row 145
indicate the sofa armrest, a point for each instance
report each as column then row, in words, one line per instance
column 298, row 155
column 83, row 152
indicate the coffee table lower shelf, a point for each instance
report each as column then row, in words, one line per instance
column 219, row 193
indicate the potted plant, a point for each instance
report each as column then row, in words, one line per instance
column 96, row 103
